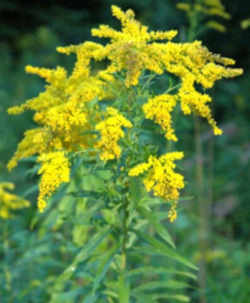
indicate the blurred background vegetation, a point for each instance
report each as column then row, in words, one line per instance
column 30, row 256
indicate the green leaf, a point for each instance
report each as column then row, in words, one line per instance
column 161, row 230
column 93, row 183
column 104, row 266
column 91, row 298
column 180, row 298
column 123, row 290
column 68, row 296
column 104, row 174
column 88, row 214
column 152, row 285
column 158, row 247
column 150, row 270
column 135, row 190
column 81, row 256
column 84, row 194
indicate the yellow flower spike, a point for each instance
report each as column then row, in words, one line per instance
column 55, row 170
column 159, row 35
column 54, row 76
column 111, row 132
column 10, row 202
column 161, row 178
column 130, row 49
column 139, row 169
column 120, row 15
column 34, row 141
column 159, row 109
column 172, row 213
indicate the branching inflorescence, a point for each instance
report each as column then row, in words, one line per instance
column 206, row 9
column 68, row 123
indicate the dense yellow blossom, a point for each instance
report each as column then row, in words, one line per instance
column 131, row 48
column 62, row 114
column 193, row 63
column 55, row 170
column 10, row 202
column 111, row 132
column 161, row 178
column 160, row 109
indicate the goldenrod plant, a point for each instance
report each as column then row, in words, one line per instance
column 106, row 131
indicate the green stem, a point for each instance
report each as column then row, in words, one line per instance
column 125, row 233
column 202, row 204
column 194, row 22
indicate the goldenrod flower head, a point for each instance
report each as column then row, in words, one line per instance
column 161, row 177
column 55, row 170
column 160, row 110
column 35, row 141
column 130, row 49
column 55, row 77
column 10, row 202
column 206, row 7
column 111, row 132
column 172, row 213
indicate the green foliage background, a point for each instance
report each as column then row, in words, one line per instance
column 34, row 250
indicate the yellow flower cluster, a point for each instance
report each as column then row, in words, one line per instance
column 192, row 63
column 207, row 7
column 68, row 114
column 111, row 132
column 63, row 115
column 55, row 170
column 159, row 109
column 161, row 178
column 10, row 202
column 131, row 48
